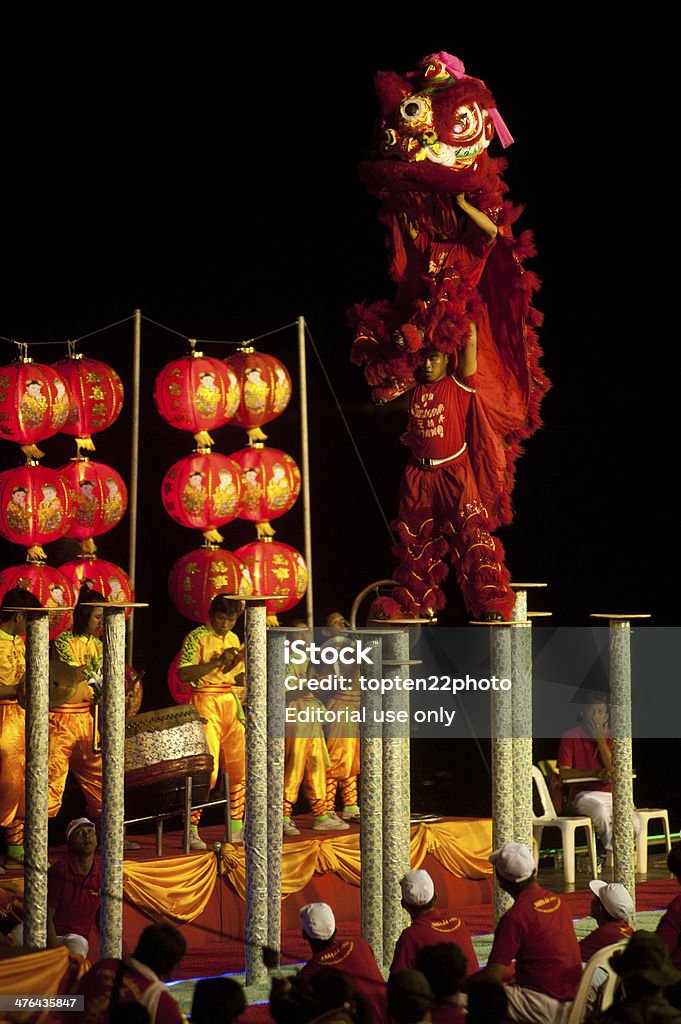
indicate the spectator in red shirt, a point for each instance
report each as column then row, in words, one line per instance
column 612, row 908
column 73, row 891
column 409, row 998
column 444, row 967
column 537, row 933
column 116, row 988
column 352, row 957
column 585, row 752
column 428, row 925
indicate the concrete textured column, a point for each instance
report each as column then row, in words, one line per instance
column 371, row 829
column 502, row 751
column 113, row 769
column 622, row 767
column 37, row 743
column 396, row 793
column 255, row 825
column 276, row 711
column 521, row 696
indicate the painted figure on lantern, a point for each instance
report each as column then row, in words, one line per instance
column 17, row 511
column 87, row 503
column 50, row 511
column 207, row 394
column 225, row 494
column 460, row 283
column 113, row 503
column 278, row 488
column 255, row 390
column 60, row 406
column 33, row 403
column 116, row 593
column 194, row 495
column 252, row 492
column 282, row 390
column 56, row 598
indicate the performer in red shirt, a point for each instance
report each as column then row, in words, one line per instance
column 428, row 925
column 586, row 751
column 441, row 514
column 537, row 933
column 140, row 977
column 352, row 957
column 612, row 907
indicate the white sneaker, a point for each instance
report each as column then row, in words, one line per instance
column 330, row 824
column 290, row 828
column 196, row 842
column 352, row 816
column 238, row 837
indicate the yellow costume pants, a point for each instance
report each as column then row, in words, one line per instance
column 71, row 731
column 305, row 762
column 344, row 756
column 226, row 738
column 12, row 770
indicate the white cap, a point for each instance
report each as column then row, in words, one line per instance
column 614, row 897
column 513, row 861
column 417, row 888
column 317, row 920
column 77, row 823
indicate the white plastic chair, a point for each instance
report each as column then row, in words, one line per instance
column 645, row 816
column 567, row 824
column 607, row 990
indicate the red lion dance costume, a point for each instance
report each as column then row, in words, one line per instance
column 431, row 171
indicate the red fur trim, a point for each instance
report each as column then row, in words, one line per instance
column 386, row 608
column 412, row 337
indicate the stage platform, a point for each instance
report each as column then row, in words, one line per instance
column 187, row 890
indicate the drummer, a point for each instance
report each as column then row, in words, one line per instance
column 71, row 722
column 211, row 662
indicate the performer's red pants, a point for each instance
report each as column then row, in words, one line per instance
column 441, row 520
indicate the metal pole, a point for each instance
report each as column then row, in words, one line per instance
column 134, row 472
column 37, row 743
column 396, row 793
column 521, row 697
column 502, row 752
column 371, row 828
column 255, row 825
column 276, row 711
column 622, row 765
column 113, row 758
column 305, row 467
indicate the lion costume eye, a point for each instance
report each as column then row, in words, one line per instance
column 415, row 109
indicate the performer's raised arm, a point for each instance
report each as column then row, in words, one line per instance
column 468, row 357
column 480, row 219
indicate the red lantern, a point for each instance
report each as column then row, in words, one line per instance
column 197, row 577
column 36, row 507
column 97, row 574
column 265, row 390
column 203, row 491
column 34, row 403
column 96, row 393
column 277, row 569
column 180, row 692
column 51, row 586
column 101, row 497
column 196, row 393
column 271, row 484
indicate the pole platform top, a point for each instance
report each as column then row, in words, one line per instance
column 618, row 618
column 500, row 622
column 403, row 622
column 112, row 605
column 41, row 610
column 393, row 664
column 539, row 615
column 250, row 597
column 525, row 586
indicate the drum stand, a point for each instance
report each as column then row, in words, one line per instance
column 159, row 819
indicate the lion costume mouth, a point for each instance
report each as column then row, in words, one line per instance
column 420, row 134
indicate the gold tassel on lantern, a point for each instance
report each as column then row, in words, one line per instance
column 85, row 442
column 213, row 537
column 256, row 434
column 88, row 546
column 264, row 530
column 203, row 439
column 272, row 620
column 36, row 554
column 31, row 451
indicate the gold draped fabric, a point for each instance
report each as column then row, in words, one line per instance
column 181, row 887
column 48, row 973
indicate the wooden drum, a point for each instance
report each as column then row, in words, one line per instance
column 163, row 748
